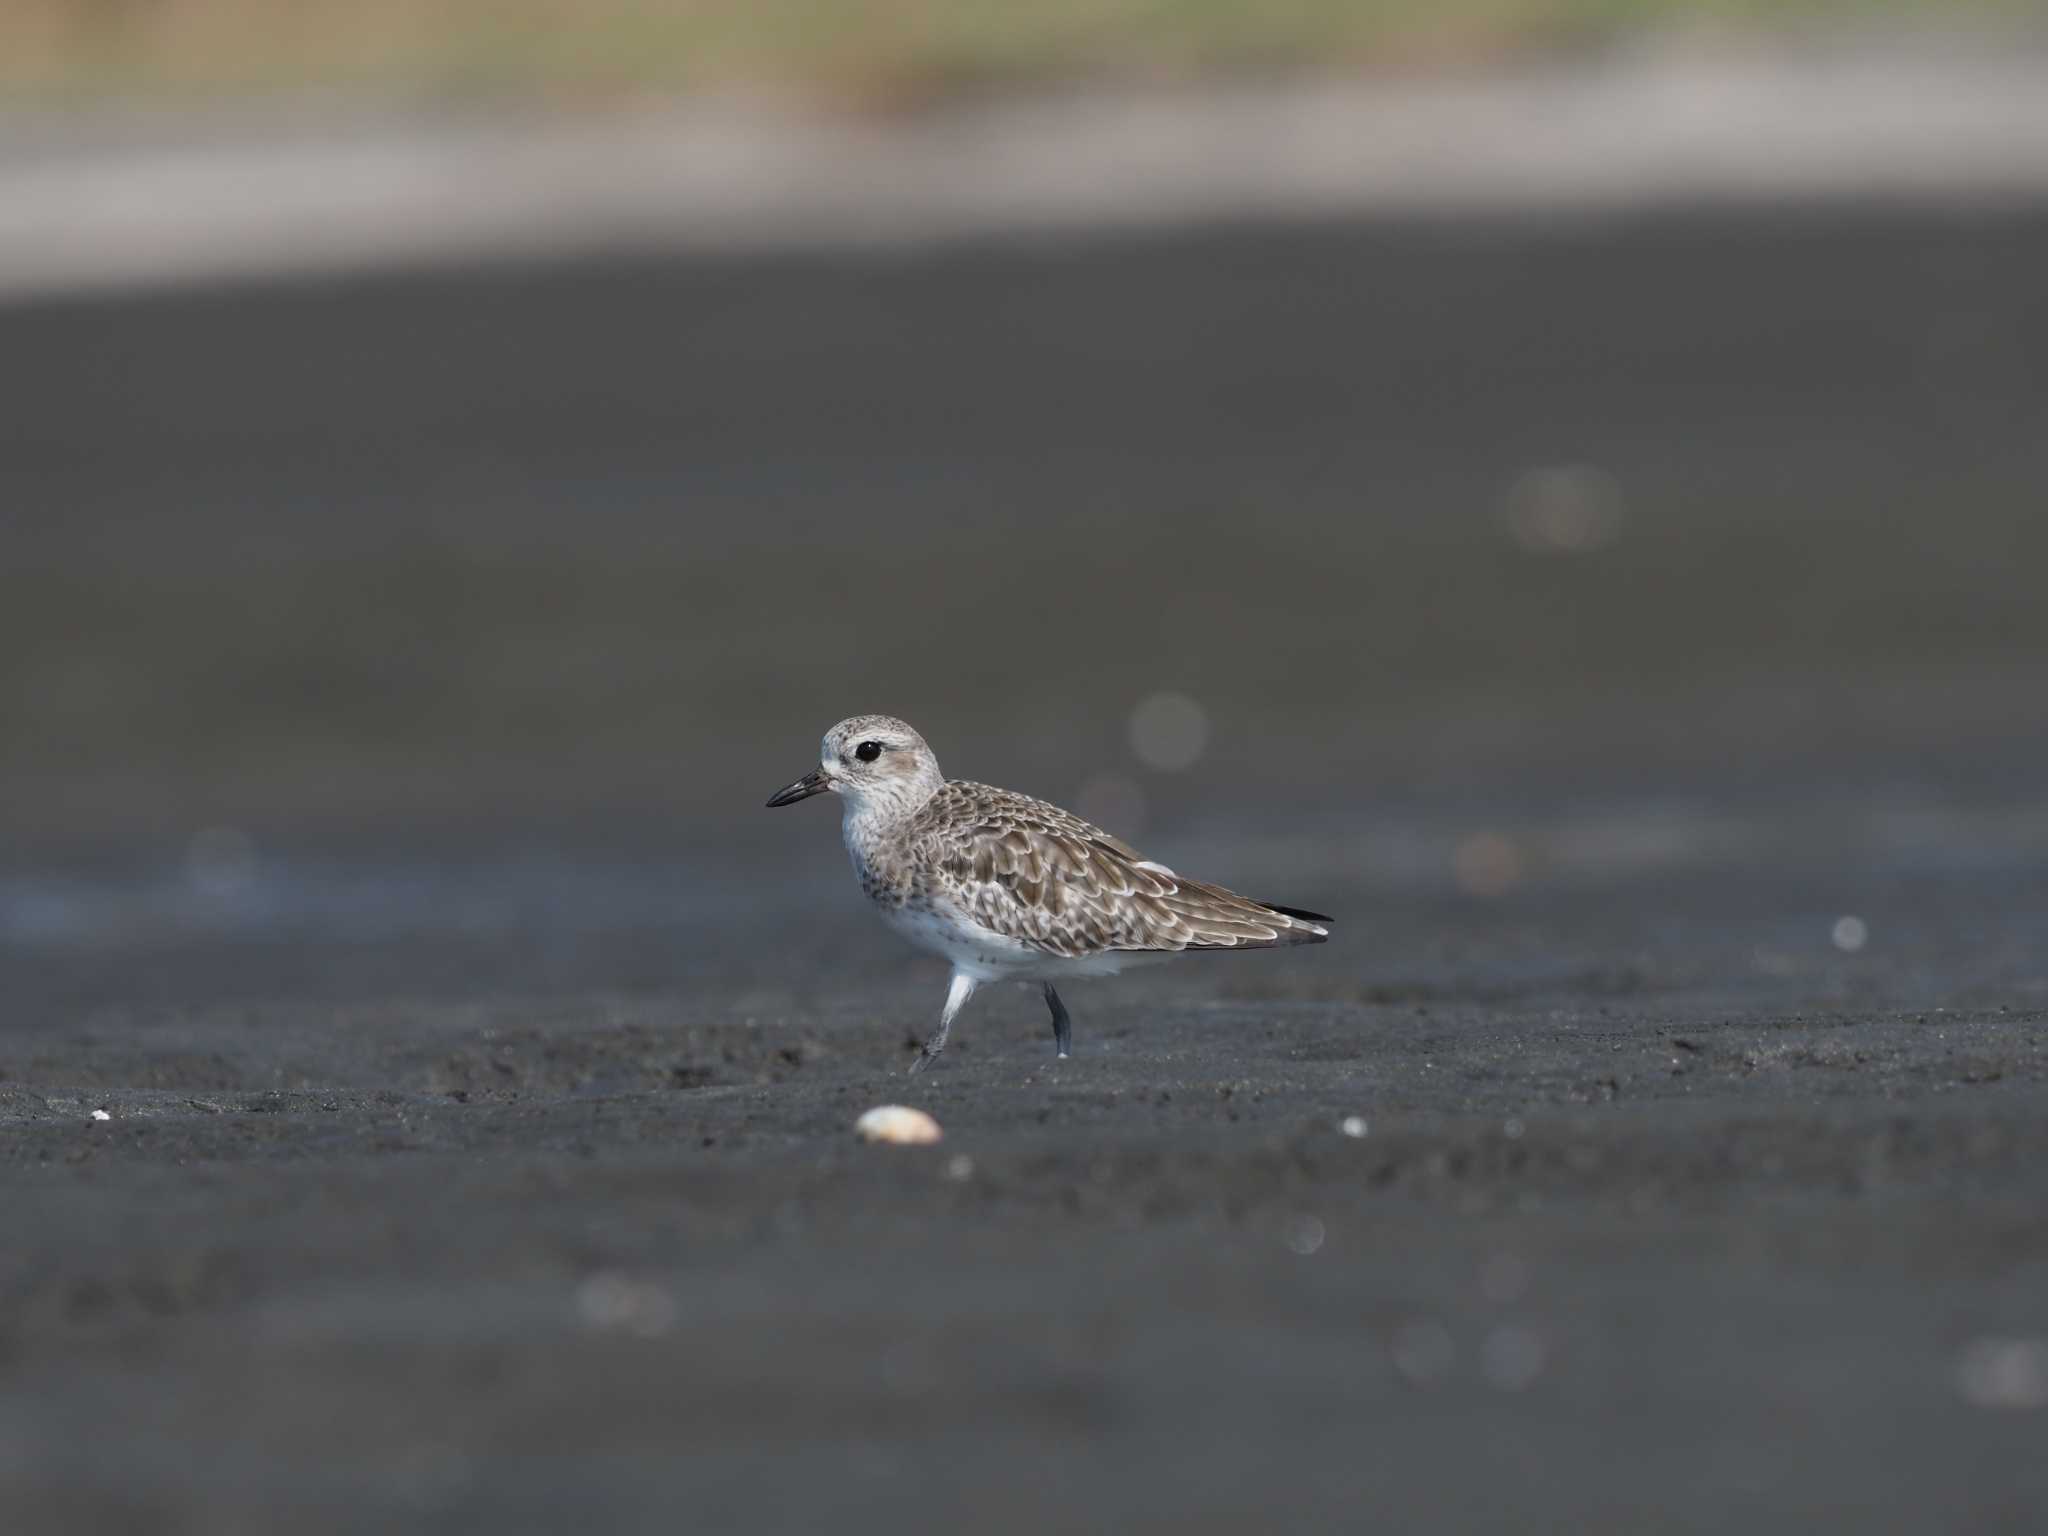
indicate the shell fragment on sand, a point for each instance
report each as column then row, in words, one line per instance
column 898, row 1124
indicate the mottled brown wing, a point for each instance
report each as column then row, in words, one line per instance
column 1046, row 878
column 1221, row 919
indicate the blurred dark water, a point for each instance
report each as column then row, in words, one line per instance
column 1714, row 502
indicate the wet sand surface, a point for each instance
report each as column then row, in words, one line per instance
column 397, row 668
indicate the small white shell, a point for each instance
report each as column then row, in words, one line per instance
column 899, row 1124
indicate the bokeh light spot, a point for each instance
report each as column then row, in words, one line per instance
column 1169, row 732
column 1563, row 509
column 2009, row 1374
column 1486, row 864
column 613, row 1302
column 1305, row 1235
column 1511, row 1357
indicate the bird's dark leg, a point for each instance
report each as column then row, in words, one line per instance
column 1062, row 1026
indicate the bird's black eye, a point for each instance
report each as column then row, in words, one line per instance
column 868, row 751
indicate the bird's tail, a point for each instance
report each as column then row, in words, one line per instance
column 1303, row 927
column 1223, row 919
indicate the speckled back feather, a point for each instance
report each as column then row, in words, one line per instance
column 1044, row 877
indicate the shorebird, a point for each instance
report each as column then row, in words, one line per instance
column 1008, row 888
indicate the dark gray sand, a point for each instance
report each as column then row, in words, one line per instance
column 397, row 669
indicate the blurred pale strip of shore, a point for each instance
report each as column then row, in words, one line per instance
column 107, row 204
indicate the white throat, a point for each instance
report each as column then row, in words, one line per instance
column 871, row 812
column 889, row 802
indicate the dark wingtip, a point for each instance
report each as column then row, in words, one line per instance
column 1306, row 917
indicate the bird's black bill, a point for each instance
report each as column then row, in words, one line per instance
column 812, row 783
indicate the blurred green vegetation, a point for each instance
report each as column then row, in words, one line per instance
column 874, row 52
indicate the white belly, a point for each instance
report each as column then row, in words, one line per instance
column 987, row 955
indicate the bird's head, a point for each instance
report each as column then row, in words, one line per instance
column 875, row 761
